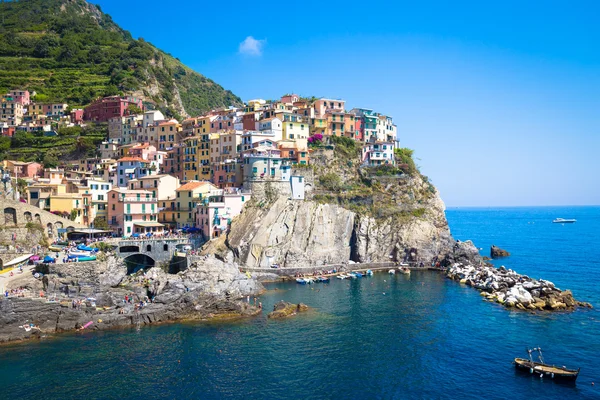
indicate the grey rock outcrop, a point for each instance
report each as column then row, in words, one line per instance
column 209, row 288
column 311, row 234
column 497, row 252
column 511, row 289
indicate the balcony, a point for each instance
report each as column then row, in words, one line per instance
column 137, row 200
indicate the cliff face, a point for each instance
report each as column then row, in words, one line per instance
column 307, row 233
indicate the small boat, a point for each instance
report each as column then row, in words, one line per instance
column 309, row 280
column 369, row 272
column 542, row 369
column 56, row 248
column 405, row 270
column 76, row 254
column 392, row 271
column 301, row 281
column 342, row 276
column 322, row 279
column 563, row 221
column 89, row 258
column 83, row 247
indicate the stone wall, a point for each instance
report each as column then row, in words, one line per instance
column 14, row 214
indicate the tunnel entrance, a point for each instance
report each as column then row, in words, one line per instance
column 137, row 262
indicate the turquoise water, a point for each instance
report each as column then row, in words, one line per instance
column 385, row 337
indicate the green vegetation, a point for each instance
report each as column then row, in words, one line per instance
column 68, row 50
column 100, row 223
column 404, row 157
column 51, row 151
column 330, row 181
column 33, row 226
column 344, row 146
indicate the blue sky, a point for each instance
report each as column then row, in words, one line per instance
column 501, row 102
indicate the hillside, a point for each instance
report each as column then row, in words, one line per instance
column 69, row 50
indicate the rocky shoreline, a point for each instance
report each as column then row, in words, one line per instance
column 513, row 290
column 102, row 296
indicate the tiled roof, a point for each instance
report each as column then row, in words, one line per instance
column 192, row 185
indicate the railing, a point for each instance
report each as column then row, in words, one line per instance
column 137, row 199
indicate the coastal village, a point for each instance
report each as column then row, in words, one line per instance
column 154, row 175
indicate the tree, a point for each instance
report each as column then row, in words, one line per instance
column 133, row 109
column 50, row 161
column 100, row 223
column 21, row 185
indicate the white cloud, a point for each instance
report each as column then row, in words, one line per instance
column 252, row 47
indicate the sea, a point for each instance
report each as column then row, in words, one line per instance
column 384, row 337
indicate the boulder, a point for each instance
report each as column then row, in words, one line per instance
column 497, row 252
column 284, row 309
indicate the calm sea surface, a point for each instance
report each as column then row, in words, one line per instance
column 385, row 337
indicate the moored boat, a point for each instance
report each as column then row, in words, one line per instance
column 369, row 272
column 542, row 369
column 405, row 270
column 322, row 279
column 392, row 271
column 301, row 281
column 342, row 276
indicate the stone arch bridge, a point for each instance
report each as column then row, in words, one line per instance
column 17, row 215
column 161, row 250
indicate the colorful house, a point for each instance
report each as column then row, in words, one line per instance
column 378, row 153
column 214, row 213
column 133, row 212
column 188, row 195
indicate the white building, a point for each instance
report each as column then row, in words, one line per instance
column 378, row 153
column 273, row 126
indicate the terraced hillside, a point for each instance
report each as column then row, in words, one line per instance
column 69, row 50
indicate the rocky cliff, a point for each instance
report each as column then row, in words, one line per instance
column 353, row 213
column 209, row 288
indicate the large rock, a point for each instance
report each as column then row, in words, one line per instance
column 209, row 288
column 284, row 309
column 497, row 252
column 299, row 234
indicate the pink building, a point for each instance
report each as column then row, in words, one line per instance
column 110, row 107
column 133, row 212
column 290, row 98
column 323, row 106
column 214, row 214
column 77, row 116
column 24, row 169
column 20, row 96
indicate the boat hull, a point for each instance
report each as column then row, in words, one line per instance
column 545, row 370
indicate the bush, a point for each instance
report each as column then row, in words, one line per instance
column 418, row 212
column 345, row 146
column 330, row 181
column 404, row 157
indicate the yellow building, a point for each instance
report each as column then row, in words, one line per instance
column 181, row 211
column 296, row 128
column 65, row 203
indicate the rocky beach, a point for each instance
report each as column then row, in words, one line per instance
column 100, row 295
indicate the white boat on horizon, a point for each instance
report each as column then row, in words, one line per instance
column 564, row 221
